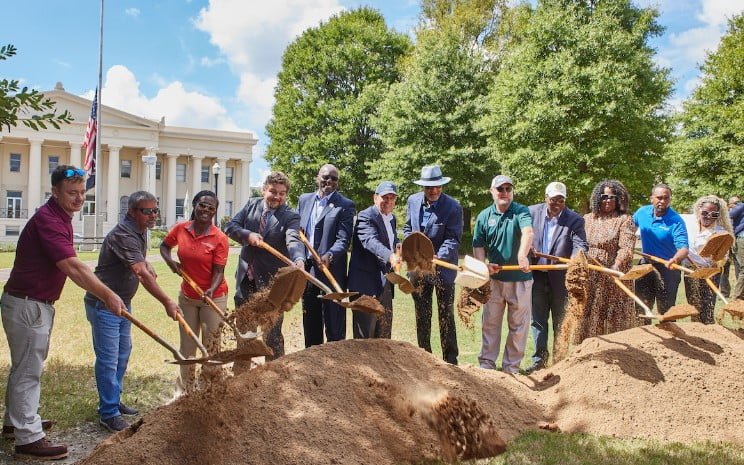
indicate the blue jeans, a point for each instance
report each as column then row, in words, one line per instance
column 112, row 343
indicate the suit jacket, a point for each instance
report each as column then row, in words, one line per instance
column 370, row 252
column 569, row 237
column 332, row 232
column 444, row 229
column 280, row 233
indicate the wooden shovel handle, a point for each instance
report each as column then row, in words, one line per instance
column 190, row 332
column 674, row 266
column 199, row 291
column 534, row 267
column 715, row 289
column 320, row 263
column 632, row 295
column 152, row 334
column 444, row 264
column 289, row 262
column 599, row 268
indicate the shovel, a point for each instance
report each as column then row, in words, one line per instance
column 396, row 278
column 253, row 348
column 633, row 273
column 717, row 246
column 699, row 273
column 216, row 308
column 418, row 253
column 364, row 303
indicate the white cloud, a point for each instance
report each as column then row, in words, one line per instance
column 694, row 44
column 133, row 12
column 208, row 62
column 718, row 12
column 258, row 95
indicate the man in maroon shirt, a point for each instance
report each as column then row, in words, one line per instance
column 45, row 257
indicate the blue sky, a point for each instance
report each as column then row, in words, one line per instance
column 213, row 64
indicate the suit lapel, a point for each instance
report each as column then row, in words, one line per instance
column 381, row 226
column 416, row 215
column 326, row 209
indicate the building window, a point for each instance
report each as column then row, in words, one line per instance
column 205, row 174
column 12, row 231
column 53, row 162
column 89, row 206
column 229, row 175
column 126, row 169
column 228, row 208
column 158, row 169
column 180, row 172
column 13, row 204
column 179, row 210
column 15, row 162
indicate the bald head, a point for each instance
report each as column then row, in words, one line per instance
column 327, row 179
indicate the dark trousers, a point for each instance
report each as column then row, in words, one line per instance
column 366, row 325
column 273, row 337
column 702, row 297
column 545, row 301
column 317, row 313
column 660, row 287
column 445, row 307
column 738, row 251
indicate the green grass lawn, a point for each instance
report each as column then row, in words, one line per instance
column 69, row 395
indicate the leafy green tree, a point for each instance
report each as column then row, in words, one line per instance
column 322, row 112
column 578, row 98
column 15, row 101
column 428, row 118
column 707, row 156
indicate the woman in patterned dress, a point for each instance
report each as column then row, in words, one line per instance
column 611, row 236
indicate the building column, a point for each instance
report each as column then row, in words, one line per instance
column 196, row 184
column 112, row 185
column 75, row 154
column 221, row 187
column 34, row 176
column 245, row 184
column 149, row 159
column 170, row 191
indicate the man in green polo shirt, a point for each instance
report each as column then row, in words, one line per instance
column 503, row 234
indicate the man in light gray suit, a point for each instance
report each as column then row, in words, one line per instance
column 559, row 231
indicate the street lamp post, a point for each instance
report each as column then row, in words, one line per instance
column 216, row 171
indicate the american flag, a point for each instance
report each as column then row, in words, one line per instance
column 89, row 144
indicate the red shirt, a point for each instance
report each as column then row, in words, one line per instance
column 197, row 254
column 45, row 240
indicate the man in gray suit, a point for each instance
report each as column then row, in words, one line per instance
column 558, row 231
column 267, row 219
column 328, row 220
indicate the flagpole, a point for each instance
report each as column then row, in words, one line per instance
column 99, row 129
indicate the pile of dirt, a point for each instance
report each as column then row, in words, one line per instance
column 386, row 402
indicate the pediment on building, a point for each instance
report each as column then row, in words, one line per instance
column 79, row 107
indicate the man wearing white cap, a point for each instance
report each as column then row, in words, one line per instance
column 439, row 216
column 559, row 231
column 503, row 233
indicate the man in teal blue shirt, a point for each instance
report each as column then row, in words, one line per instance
column 664, row 235
column 503, row 234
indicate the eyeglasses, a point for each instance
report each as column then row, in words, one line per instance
column 505, row 188
column 207, row 206
column 326, row 177
column 557, row 199
column 149, row 211
column 74, row 172
column 605, row 197
column 706, row 214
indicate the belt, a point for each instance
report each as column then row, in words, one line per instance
column 25, row 297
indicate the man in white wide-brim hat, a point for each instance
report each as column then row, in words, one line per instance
column 439, row 216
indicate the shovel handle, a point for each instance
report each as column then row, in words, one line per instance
column 444, row 264
column 715, row 289
column 320, row 263
column 190, row 281
column 534, row 267
column 152, row 334
column 289, row 262
column 190, row 332
column 632, row 295
column 599, row 268
column 674, row 266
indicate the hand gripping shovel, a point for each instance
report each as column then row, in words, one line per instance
column 216, row 308
column 418, row 253
column 364, row 303
column 327, row 290
column 681, row 311
column 396, row 278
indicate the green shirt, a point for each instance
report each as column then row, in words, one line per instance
column 500, row 234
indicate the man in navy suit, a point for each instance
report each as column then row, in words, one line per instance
column 268, row 219
column 372, row 256
column 328, row 220
column 439, row 216
column 559, row 231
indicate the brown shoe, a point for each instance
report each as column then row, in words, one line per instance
column 41, row 450
column 9, row 431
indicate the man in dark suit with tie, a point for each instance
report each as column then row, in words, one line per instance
column 372, row 256
column 328, row 220
column 559, row 231
column 439, row 216
column 267, row 219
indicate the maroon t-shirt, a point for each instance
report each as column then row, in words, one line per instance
column 45, row 240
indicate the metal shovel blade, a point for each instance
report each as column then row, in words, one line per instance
column 704, row 273
column 338, row 295
column 287, row 288
column 637, row 271
column 735, row 308
column 474, row 273
column 417, row 251
column 245, row 351
column 717, row 246
column 364, row 303
column 677, row 312
column 403, row 284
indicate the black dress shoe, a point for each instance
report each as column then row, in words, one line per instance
column 125, row 410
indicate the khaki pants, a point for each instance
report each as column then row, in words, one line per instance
column 205, row 321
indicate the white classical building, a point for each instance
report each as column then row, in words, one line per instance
column 174, row 163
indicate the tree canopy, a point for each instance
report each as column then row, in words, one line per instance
column 578, row 98
column 322, row 112
column 707, row 156
column 26, row 105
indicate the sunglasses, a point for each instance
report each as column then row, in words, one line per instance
column 326, row 177
column 714, row 215
column 505, row 188
column 207, row 206
column 149, row 211
column 605, row 197
column 74, row 172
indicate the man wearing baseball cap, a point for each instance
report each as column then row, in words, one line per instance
column 559, row 231
column 439, row 217
column 372, row 256
column 503, row 234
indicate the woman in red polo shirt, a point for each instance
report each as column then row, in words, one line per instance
column 202, row 254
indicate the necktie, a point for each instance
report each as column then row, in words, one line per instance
column 262, row 221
